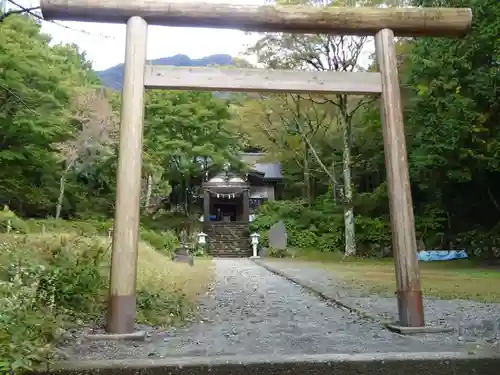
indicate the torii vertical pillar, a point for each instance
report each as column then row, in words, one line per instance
column 122, row 294
column 404, row 246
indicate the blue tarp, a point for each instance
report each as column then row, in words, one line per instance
column 433, row 255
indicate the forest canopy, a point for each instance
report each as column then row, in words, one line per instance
column 59, row 134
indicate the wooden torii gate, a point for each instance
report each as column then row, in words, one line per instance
column 383, row 23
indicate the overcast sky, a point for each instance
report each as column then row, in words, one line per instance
column 105, row 47
column 104, row 44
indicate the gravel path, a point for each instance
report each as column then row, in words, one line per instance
column 252, row 311
column 474, row 322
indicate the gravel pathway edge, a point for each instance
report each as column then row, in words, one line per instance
column 328, row 297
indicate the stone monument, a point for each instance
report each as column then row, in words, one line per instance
column 278, row 237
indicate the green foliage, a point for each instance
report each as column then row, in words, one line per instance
column 319, row 226
column 173, row 221
column 82, row 228
column 10, row 222
column 278, row 253
column 186, row 133
column 45, row 283
column 162, row 308
column 451, row 97
column 164, row 242
column 36, row 84
column 451, row 94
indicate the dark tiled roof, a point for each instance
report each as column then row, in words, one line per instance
column 270, row 170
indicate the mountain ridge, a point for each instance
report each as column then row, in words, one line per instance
column 113, row 77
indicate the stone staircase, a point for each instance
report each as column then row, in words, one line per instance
column 228, row 239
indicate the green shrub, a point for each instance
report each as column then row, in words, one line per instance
column 303, row 239
column 26, row 325
column 162, row 308
column 278, row 253
column 320, row 226
column 81, row 228
column 172, row 221
column 45, row 283
column 371, row 233
column 330, row 242
column 10, row 222
column 161, row 241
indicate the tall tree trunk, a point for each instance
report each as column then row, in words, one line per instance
column 185, row 190
column 60, row 199
column 307, row 177
column 350, row 234
column 334, row 184
column 149, row 190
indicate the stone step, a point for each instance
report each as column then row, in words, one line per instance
column 228, row 240
column 240, row 253
column 228, row 237
column 229, row 251
column 226, row 253
column 230, row 246
column 225, row 230
column 219, row 239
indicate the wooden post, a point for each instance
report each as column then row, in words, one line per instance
column 409, row 295
column 122, row 300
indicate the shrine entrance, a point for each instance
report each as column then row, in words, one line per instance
column 225, row 199
column 384, row 24
column 225, row 209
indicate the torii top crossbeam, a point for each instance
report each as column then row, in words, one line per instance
column 451, row 22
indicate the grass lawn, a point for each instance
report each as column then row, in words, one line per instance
column 167, row 292
column 55, row 281
column 170, row 289
column 461, row 279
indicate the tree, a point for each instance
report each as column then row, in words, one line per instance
column 11, row 12
column 186, row 134
column 454, row 113
column 98, row 124
column 36, row 85
column 323, row 53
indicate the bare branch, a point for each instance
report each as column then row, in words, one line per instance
column 315, row 154
column 98, row 129
column 362, row 103
column 17, row 11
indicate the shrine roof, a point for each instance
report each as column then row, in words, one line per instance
column 270, row 170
